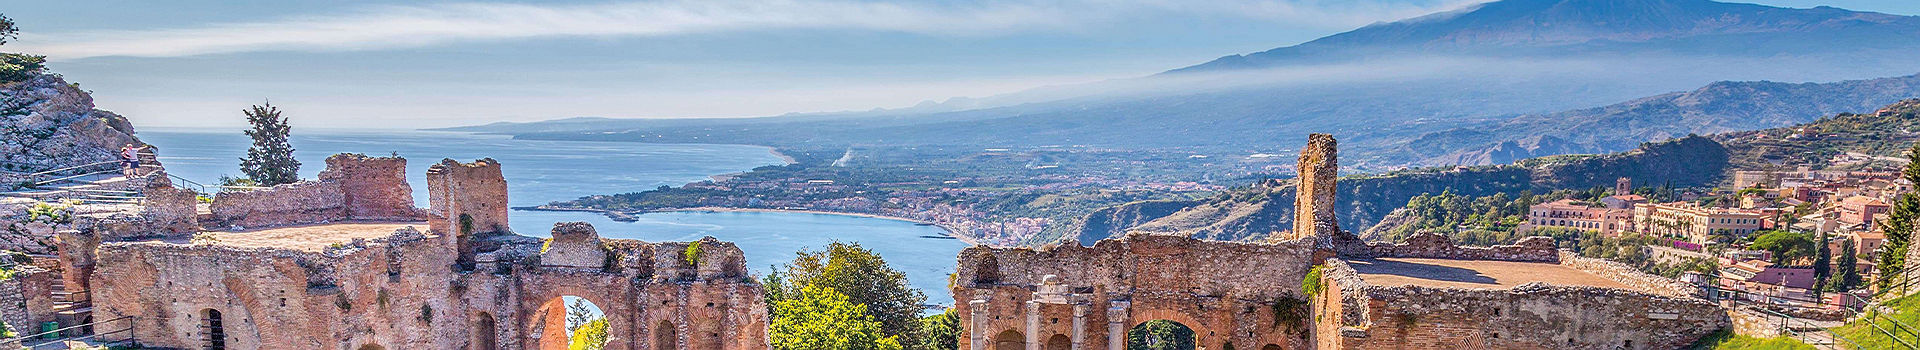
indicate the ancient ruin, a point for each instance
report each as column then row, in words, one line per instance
column 1321, row 288
column 347, row 262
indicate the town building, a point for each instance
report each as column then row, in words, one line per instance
column 1695, row 224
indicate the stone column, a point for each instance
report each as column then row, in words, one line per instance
column 1117, row 326
column 977, row 336
column 1079, row 326
column 1033, row 325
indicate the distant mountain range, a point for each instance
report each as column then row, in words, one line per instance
column 1717, row 108
column 1477, row 85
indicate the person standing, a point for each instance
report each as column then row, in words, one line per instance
column 130, row 159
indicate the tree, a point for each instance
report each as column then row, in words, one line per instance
column 863, row 277
column 1899, row 224
column 816, row 317
column 7, row 30
column 1160, row 335
column 1822, row 265
column 940, row 331
column 578, row 314
column 591, row 335
column 1787, row 247
column 270, row 160
column 1845, row 272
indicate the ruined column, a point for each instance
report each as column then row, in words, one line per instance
column 977, row 334
column 1313, row 201
column 466, row 200
column 1079, row 326
column 1117, row 326
column 1033, row 325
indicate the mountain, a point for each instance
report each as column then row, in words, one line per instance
column 1257, row 211
column 1877, row 140
column 1581, row 27
column 1716, row 108
column 1378, row 87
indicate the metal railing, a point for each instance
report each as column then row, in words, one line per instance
column 54, row 338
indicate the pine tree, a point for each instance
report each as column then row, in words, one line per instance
column 1899, row 224
column 1846, row 275
column 1822, row 265
column 270, row 160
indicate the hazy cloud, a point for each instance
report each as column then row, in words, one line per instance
column 389, row 27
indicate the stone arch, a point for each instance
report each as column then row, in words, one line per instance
column 1161, row 334
column 213, row 329
column 1010, row 340
column 664, row 336
column 550, row 321
column 1059, row 342
column 986, row 270
column 485, row 332
column 1270, row 347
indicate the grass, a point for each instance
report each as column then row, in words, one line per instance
column 1907, row 313
column 1726, row 340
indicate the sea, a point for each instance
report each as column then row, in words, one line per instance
column 539, row 172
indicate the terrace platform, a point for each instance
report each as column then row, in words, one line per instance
column 313, row 238
column 1472, row 273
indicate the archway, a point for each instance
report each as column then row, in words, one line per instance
column 484, row 332
column 1160, row 335
column 1010, row 340
column 571, row 322
column 1270, row 347
column 216, row 336
column 1059, row 342
column 664, row 336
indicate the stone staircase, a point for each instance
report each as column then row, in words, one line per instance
column 71, row 308
column 93, row 189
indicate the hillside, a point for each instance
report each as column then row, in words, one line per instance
column 1379, row 86
column 1877, row 139
column 1260, row 210
column 1716, row 108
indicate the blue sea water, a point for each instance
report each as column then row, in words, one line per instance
column 543, row 171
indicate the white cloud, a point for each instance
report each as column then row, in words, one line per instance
column 390, row 27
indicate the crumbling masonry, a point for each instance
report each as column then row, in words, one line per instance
column 342, row 263
column 1426, row 293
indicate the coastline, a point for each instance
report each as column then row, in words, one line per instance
column 624, row 216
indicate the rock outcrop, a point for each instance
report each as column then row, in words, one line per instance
column 47, row 123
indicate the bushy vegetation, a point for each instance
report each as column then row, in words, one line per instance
column 586, row 326
column 1160, row 335
column 16, row 67
column 816, row 317
column 806, row 294
column 940, row 331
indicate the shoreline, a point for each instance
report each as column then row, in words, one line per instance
column 625, row 216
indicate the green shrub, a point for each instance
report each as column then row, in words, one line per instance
column 692, row 254
column 16, row 67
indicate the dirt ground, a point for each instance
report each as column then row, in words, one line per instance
column 310, row 237
column 1471, row 273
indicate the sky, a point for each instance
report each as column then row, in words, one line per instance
column 415, row 64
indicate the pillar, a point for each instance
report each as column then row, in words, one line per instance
column 977, row 337
column 1117, row 326
column 1079, row 326
column 1033, row 325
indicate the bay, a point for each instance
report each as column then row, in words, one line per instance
column 539, row 172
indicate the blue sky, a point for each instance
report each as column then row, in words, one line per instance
column 407, row 64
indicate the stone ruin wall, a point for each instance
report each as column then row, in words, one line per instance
column 1088, row 297
column 1630, row 276
column 1318, row 168
column 21, row 306
column 380, row 292
column 373, row 188
column 353, row 187
column 1355, row 315
column 1435, row 246
column 474, row 190
column 412, row 289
